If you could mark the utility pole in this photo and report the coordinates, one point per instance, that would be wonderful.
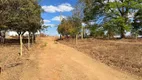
(60, 16)
(60, 22)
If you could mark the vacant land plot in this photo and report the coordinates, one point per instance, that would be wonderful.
(11, 62)
(120, 54)
(50, 60)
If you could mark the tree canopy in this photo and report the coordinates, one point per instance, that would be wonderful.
(115, 12)
(70, 26)
(20, 15)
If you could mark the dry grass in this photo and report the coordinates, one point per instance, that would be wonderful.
(11, 63)
(121, 54)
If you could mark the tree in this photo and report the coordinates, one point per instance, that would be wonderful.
(96, 31)
(78, 13)
(4, 16)
(137, 23)
(20, 16)
(109, 9)
(70, 27)
(75, 26)
(63, 28)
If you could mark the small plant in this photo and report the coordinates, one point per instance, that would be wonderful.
(55, 42)
(44, 45)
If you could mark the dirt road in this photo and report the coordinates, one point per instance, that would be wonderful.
(59, 62)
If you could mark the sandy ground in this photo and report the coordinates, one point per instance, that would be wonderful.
(54, 61)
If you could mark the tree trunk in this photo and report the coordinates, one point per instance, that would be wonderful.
(76, 39)
(136, 35)
(21, 45)
(82, 33)
(19, 33)
(19, 36)
(122, 33)
(2, 37)
(33, 37)
(108, 36)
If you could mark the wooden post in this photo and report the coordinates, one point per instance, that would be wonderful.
(32, 38)
(21, 45)
(29, 41)
(136, 34)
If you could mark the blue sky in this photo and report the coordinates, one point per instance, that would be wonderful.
(52, 9)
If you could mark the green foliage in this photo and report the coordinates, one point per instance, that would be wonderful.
(115, 12)
(20, 15)
(63, 28)
(96, 31)
(70, 26)
(137, 23)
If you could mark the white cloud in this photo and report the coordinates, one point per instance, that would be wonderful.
(50, 9)
(65, 7)
(58, 18)
(50, 25)
(46, 21)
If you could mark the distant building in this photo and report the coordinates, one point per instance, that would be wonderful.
(13, 33)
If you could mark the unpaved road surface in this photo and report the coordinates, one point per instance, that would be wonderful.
(56, 61)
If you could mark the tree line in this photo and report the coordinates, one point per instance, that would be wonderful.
(105, 18)
(21, 16)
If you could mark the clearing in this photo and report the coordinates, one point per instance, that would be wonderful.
(123, 54)
(50, 60)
